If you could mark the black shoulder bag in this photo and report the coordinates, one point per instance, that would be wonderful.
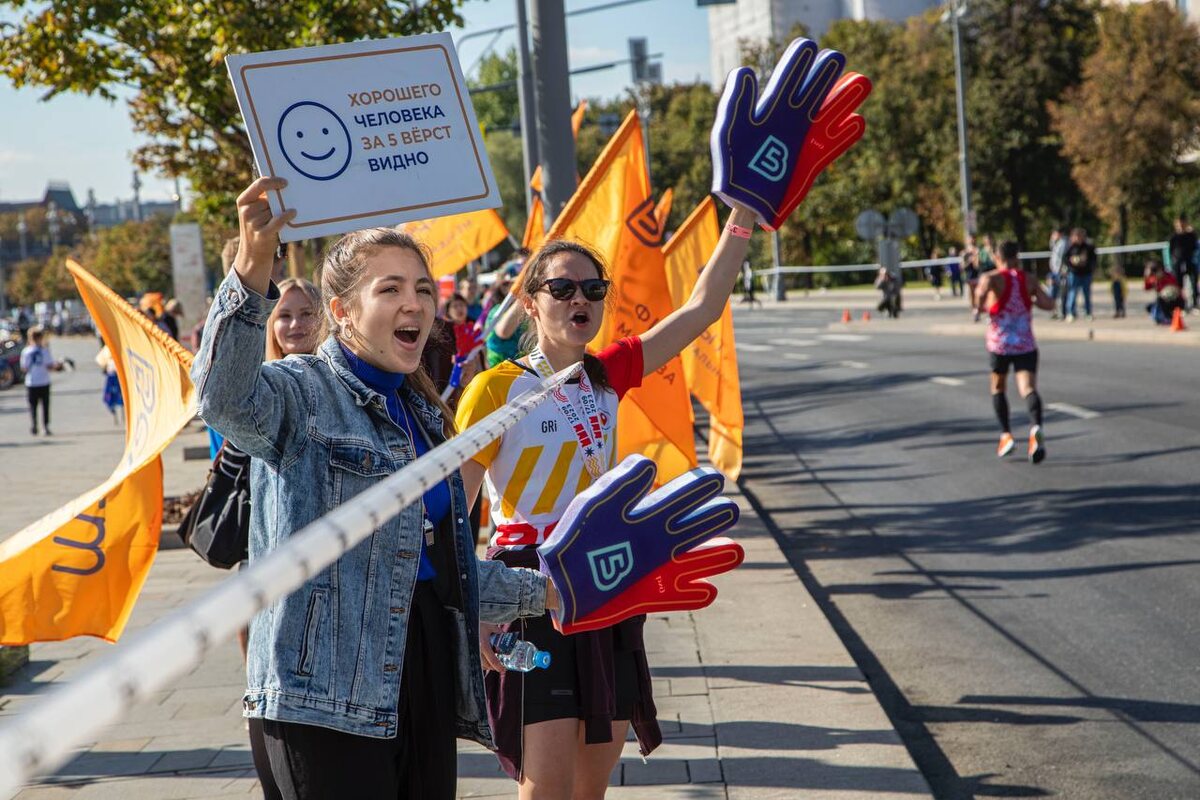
(217, 526)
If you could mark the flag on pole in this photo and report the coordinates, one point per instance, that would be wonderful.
(78, 570)
(662, 212)
(458, 239)
(710, 362)
(613, 212)
(535, 226)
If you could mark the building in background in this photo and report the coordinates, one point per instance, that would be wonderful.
(760, 20)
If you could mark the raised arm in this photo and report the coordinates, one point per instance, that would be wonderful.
(260, 408)
(509, 320)
(666, 339)
(767, 148)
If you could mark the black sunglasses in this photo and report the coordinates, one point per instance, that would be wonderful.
(564, 288)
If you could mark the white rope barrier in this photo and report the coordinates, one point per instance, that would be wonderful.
(929, 262)
(45, 735)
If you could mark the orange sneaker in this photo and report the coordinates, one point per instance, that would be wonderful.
(1037, 448)
(1006, 446)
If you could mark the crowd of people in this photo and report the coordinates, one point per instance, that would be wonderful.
(368, 673)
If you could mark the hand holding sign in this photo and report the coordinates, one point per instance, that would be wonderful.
(761, 150)
(620, 550)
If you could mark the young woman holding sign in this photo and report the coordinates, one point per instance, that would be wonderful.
(560, 731)
(365, 675)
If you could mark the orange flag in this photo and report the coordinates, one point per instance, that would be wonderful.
(459, 239)
(78, 570)
(612, 211)
(535, 226)
(662, 212)
(710, 362)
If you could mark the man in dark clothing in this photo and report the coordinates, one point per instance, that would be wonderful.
(1183, 250)
(1080, 261)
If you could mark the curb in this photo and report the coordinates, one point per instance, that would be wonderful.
(1046, 333)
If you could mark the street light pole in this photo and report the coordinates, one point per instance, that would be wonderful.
(525, 100)
(556, 145)
(957, 7)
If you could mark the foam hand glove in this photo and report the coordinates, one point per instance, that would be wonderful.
(836, 128)
(757, 141)
(617, 533)
(678, 585)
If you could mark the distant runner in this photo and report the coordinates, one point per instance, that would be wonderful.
(1007, 295)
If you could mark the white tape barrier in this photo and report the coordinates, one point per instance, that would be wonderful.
(45, 736)
(929, 262)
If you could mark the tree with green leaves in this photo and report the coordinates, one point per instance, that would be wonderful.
(1128, 123)
(1021, 56)
(172, 55)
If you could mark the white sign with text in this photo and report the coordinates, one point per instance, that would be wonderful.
(366, 133)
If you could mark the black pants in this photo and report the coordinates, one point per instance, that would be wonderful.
(311, 763)
(38, 394)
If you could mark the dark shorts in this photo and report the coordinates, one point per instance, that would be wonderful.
(1021, 362)
(553, 693)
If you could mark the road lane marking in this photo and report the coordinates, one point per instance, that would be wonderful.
(754, 348)
(944, 381)
(845, 337)
(794, 342)
(797, 356)
(1073, 410)
(852, 364)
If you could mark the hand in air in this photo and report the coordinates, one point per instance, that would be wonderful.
(617, 533)
(768, 149)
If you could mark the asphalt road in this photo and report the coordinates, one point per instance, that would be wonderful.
(1031, 630)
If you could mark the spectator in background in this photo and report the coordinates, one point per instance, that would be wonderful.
(889, 286)
(970, 263)
(1080, 260)
(1058, 275)
(1167, 296)
(956, 276)
(469, 289)
(987, 254)
(172, 311)
(935, 272)
(1182, 247)
(37, 363)
(1117, 274)
(112, 396)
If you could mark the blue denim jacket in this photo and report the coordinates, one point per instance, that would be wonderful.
(331, 653)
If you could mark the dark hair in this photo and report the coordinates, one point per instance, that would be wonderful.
(1154, 265)
(1009, 250)
(535, 274)
(451, 299)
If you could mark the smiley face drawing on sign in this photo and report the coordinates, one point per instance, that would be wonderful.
(314, 140)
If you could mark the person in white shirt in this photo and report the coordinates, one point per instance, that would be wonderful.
(37, 363)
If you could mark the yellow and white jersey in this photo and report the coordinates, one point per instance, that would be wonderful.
(536, 468)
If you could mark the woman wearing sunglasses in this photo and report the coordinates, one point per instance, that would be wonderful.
(560, 731)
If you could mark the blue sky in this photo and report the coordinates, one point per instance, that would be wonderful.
(87, 141)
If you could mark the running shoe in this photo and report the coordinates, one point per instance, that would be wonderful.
(1037, 447)
(1006, 446)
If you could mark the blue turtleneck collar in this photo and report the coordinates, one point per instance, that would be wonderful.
(376, 379)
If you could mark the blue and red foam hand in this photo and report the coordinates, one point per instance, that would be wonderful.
(621, 550)
(768, 148)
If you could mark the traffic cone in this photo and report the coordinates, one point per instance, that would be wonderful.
(1177, 320)
(866, 316)
(846, 315)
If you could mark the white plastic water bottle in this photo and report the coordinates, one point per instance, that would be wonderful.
(517, 654)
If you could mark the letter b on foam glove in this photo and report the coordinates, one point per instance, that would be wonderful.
(620, 550)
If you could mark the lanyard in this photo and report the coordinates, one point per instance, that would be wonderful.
(590, 436)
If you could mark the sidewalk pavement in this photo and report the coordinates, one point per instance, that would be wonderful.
(756, 694)
(925, 314)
